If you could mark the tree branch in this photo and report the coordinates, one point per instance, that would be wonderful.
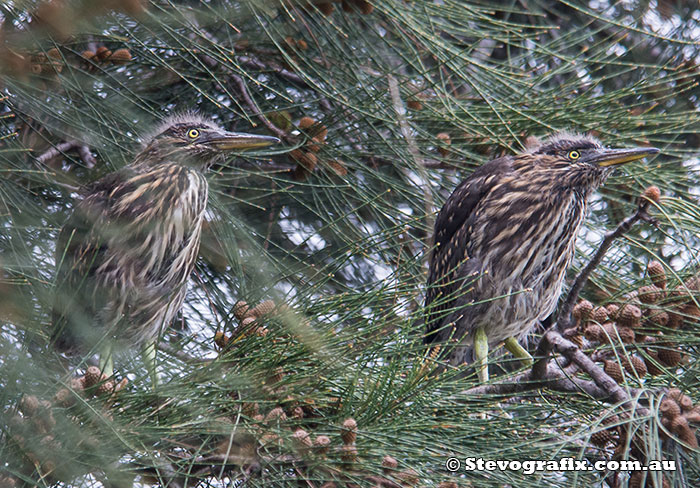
(564, 320)
(64, 147)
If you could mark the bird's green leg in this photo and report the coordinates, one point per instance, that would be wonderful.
(149, 358)
(519, 351)
(106, 362)
(481, 353)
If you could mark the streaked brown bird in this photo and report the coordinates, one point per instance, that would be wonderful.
(125, 255)
(504, 240)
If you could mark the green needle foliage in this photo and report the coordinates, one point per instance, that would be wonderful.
(383, 107)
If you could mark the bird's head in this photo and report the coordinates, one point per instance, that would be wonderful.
(583, 157)
(195, 141)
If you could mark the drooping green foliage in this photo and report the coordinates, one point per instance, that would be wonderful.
(383, 107)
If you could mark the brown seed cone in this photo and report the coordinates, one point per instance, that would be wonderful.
(693, 415)
(675, 320)
(414, 104)
(653, 193)
(650, 294)
(669, 408)
(77, 384)
(240, 310)
(657, 319)
(258, 417)
(348, 453)
(599, 315)
(582, 310)
(337, 166)
(444, 140)
(120, 56)
(93, 375)
(690, 312)
(634, 365)
(651, 359)
(64, 398)
(297, 413)
(613, 369)
(103, 53)
(349, 431)
(447, 484)
(249, 409)
(576, 338)
(612, 309)
(106, 387)
(275, 414)
(326, 8)
(594, 333)
(322, 444)
(601, 438)
(247, 322)
(656, 272)
(644, 479)
(408, 477)
(302, 439)
(306, 122)
(629, 316)
(264, 308)
(29, 405)
(626, 335)
(270, 439)
(685, 433)
(306, 162)
(261, 331)
(364, 6)
(389, 464)
(302, 44)
(668, 355)
(87, 55)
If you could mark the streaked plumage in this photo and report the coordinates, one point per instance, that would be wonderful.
(125, 255)
(505, 238)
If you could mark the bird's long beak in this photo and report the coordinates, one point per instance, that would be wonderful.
(228, 141)
(612, 157)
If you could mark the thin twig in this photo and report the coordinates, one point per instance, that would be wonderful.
(564, 320)
(256, 111)
(64, 147)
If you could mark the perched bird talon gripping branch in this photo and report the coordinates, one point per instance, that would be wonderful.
(503, 242)
(127, 251)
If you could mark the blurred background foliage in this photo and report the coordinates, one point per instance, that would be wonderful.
(383, 107)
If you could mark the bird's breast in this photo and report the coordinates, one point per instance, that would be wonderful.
(158, 240)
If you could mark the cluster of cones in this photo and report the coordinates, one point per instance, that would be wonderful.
(32, 428)
(628, 444)
(103, 55)
(248, 321)
(680, 417)
(640, 325)
(306, 157)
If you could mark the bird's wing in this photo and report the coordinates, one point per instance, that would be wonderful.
(80, 250)
(451, 266)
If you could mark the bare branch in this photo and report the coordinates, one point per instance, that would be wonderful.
(63, 148)
(564, 320)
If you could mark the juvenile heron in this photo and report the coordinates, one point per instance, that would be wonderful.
(127, 251)
(504, 240)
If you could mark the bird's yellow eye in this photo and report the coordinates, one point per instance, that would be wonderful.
(193, 133)
(573, 155)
